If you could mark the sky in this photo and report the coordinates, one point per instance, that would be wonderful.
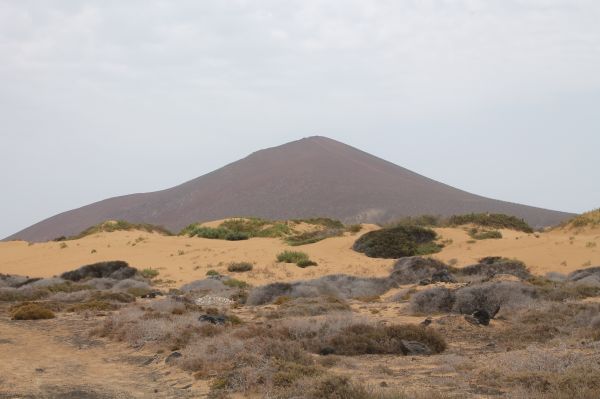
(102, 98)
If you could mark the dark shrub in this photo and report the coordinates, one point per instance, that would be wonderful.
(591, 275)
(268, 293)
(15, 281)
(118, 270)
(492, 296)
(492, 265)
(397, 242)
(309, 307)
(438, 299)
(239, 267)
(412, 270)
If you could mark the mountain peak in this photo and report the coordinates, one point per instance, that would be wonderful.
(311, 177)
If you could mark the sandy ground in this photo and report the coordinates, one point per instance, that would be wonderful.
(57, 359)
(184, 259)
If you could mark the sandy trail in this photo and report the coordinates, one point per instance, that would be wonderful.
(56, 359)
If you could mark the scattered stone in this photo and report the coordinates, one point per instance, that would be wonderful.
(173, 356)
(209, 300)
(326, 351)
(152, 295)
(213, 319)
(415, 348)
(482, 316)
(426, 322)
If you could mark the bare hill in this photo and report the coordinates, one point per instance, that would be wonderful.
(314, 176)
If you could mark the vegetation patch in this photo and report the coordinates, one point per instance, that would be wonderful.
(94, 305)
(31, 311)
(482, 234)
(120, 225)
(492, 220)
(239, 267)
(591, 219)
(398, 242)
(292, 257)
(363, 339)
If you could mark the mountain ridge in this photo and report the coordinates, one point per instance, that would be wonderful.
(313, 176)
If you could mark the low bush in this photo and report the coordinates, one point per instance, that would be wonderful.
(590, 275)
(295, 307)
(337, 285)
(9, 294)
(434, 300)
(292, 257)
(493, 265)
(354, 228)
(591, 218)
(149, 273)
(362, 339)
(311, 237)
(478, 234)
(121, 225)
(118, 270)
(94, 305)
(306, 263)
(491, 297)
(233, 283)
(239, 267)
(31, 311)
(397, 242)
(412, 270)
(493, 220)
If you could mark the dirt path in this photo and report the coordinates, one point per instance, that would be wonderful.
(56, 359)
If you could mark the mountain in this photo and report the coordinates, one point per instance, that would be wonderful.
(315, 176)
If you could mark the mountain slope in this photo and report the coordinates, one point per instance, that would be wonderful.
(314, 176)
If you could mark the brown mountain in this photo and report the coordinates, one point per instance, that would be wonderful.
(314, 176)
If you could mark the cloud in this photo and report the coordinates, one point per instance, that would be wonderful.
(156, 76)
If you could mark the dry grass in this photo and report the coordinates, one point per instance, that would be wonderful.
(31, 311)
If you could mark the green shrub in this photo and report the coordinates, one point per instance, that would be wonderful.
(206, 232)
(117, 225)
(31, 311)
(325, 222)
(591, 218)
(493, 220)
(397, 242)
(306, 263)
(234, 283)
(354, 228)
(237, 236)
(310, 237)
(239, 267)
(150, 273)
(292, 257)
(484, 234)
(212, 272)
(421, 220)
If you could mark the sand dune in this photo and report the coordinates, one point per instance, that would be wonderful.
(184, 259)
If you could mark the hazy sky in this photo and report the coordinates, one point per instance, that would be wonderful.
(109, 97)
